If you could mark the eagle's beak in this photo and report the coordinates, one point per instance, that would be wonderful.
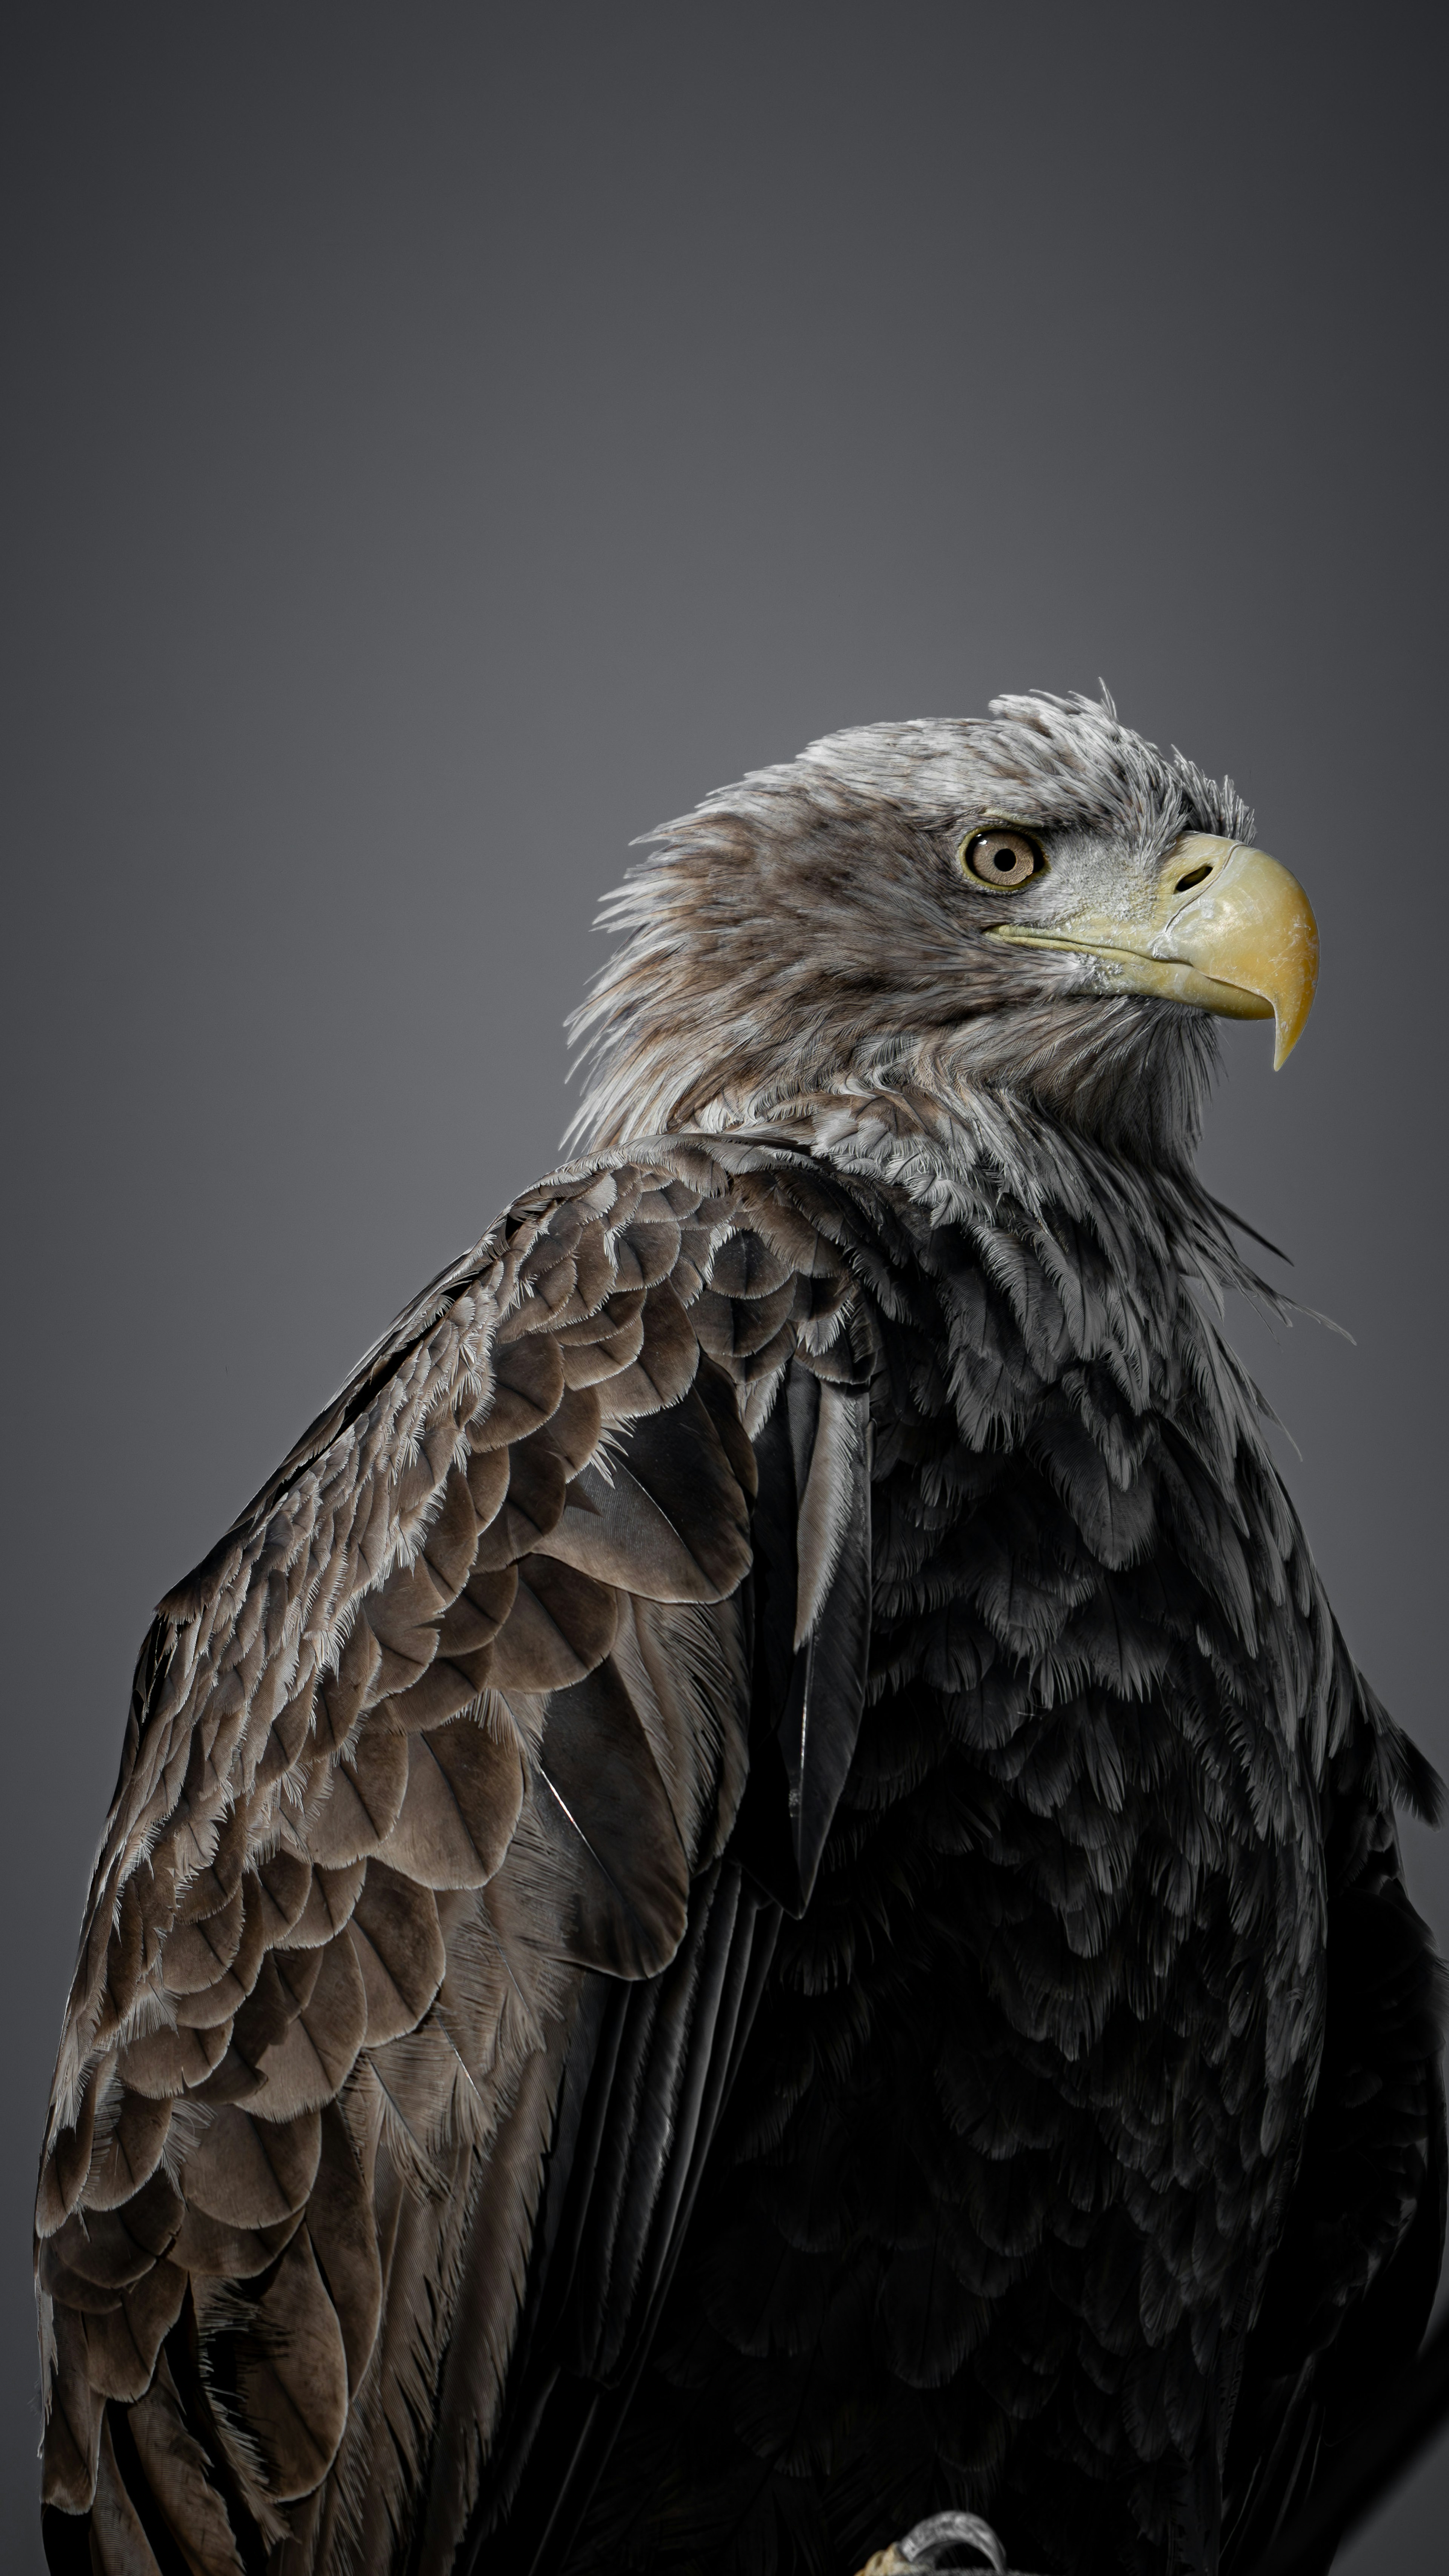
(1229, 930)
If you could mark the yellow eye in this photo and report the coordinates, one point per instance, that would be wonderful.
(1005, 859)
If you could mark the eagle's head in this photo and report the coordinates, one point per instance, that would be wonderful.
(1036, 901)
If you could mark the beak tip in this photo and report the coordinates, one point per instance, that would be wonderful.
(1288, 1027)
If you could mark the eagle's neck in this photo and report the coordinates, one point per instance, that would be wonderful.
(1124, 1072)
(957, 1157)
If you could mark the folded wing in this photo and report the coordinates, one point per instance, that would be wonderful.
(461, 1789)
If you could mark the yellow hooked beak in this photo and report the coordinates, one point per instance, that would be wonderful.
(1229, 930)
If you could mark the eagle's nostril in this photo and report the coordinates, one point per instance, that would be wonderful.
(1193, 877)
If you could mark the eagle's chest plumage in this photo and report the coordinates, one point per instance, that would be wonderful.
(1027, 2091)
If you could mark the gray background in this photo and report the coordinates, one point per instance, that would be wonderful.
(440, 444)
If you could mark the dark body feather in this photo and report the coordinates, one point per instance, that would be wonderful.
(975, 2236)
(756, 1897)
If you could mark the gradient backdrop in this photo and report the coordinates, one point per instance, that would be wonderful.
(441, 443)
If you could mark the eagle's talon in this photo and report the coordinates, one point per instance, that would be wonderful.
(925, 2545)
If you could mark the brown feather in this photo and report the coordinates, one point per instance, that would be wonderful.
(252, 2172)
(118, 2539)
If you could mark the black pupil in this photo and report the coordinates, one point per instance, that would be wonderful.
(1005, 860)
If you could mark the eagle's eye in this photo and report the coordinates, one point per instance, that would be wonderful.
(1006, 859)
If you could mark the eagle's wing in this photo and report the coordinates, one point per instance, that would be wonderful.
(461, 1788)
(1352, 2282)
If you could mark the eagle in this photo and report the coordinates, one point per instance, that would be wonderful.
(756, 1898)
